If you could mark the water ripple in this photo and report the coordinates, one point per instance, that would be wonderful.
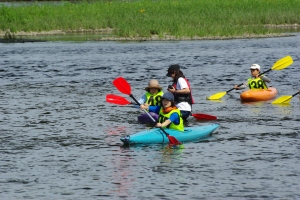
(60, 139)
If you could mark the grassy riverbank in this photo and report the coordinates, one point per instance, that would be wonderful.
(153, 19)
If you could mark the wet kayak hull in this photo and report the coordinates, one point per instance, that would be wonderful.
(156, 136)
(258, 94)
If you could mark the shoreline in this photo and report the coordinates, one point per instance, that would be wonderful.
(145, 20)
(8, 36)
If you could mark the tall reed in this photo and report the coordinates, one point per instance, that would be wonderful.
(144, 18)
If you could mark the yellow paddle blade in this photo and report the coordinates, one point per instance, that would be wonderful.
(282, 63)
(216, 96)
(282, 99)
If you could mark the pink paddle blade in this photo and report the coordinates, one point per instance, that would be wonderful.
(202, 116)
(173, 140)
(122, 85)
(115, 99)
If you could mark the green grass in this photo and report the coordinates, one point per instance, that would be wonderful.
(143, 18)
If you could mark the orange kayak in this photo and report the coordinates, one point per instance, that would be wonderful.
(259, 94)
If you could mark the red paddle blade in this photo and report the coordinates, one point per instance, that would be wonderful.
(122, 85)
(173, 140)
(202, 116)
(115, 99)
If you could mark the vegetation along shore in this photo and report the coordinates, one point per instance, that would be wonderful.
(153, 19)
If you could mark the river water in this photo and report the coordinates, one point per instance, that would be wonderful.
(61, 140)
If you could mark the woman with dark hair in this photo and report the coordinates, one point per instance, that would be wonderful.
(181, 90)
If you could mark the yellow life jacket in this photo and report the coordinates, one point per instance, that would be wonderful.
(154, 100)
(256, 83)
(164, 116)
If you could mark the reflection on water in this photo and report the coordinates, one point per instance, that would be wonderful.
(60, 139)
(284, 109)
(171, 153)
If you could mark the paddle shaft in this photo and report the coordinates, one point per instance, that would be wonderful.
(234, 88)
(295, 94)
(278, 65)
(115, 99)
(243, 83)
(123, 86)
(265, 72)
(136, 101)
(204, 116)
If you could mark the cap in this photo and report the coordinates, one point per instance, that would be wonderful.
(153, 84)
(173, 68)
(255, 66)
(169, 96)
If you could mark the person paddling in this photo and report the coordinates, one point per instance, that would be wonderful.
(255, 81)
(181, 90)
(153, 94)
(169, 114)
(152, 97)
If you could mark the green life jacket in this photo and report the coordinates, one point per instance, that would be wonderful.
(154, 100)
(164, 116)
(256, 83)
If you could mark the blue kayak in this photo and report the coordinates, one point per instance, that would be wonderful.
(156, 136)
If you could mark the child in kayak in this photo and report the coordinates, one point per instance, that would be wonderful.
(152, 97)
(169, 114)
(181, 90)
(153, 94)
(256, 81)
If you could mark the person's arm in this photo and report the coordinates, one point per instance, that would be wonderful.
(245, 85)
(154, 109)
(183, 91)
(173, 118)
(164, 124)
(265, 79)
(183, 87)
(142, 100)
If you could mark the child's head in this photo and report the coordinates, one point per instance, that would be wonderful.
(167, 100)
(153, 87)
(255, 69)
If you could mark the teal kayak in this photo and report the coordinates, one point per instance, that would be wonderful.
(156, 136)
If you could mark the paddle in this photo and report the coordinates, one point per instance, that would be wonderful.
(123, 86)
(284, 99)
(115, 99)
(202, 116)
(278, 65)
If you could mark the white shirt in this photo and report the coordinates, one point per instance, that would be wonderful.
(181, 84)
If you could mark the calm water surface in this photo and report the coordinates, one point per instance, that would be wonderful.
(60, 139)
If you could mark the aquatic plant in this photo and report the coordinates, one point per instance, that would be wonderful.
(148, 18)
